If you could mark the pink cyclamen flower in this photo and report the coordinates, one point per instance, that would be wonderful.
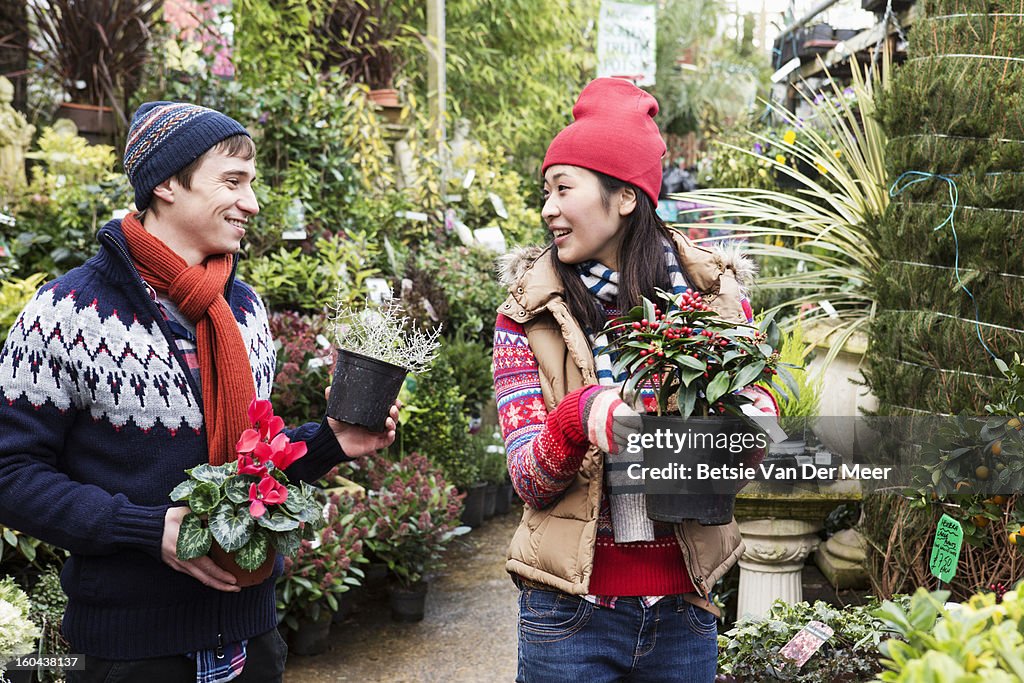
(268, 492)
(247, 441)
(259, 410)
(246, 465)
(284, 453)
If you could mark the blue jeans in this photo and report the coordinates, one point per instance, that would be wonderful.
(563, 637)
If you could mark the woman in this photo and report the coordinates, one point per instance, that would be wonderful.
(606, 594)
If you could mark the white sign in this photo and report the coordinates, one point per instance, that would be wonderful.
(626, 41)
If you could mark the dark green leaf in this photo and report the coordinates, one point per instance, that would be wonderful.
(717, 387)
(193, 538)
(204, 499)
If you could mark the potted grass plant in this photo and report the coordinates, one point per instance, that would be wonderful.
(246, 511)
(697, 364)
(377, 347)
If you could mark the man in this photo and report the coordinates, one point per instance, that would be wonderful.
(125, 372)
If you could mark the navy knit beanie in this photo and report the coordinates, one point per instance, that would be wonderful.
(165, 137)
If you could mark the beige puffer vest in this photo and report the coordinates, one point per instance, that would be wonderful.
(555, 546)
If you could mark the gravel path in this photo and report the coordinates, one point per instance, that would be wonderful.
(468, 634)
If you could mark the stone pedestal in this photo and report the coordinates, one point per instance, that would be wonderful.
(841, 559)
(771, 566)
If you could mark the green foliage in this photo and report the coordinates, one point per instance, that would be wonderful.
(303, 366)
(802, 400)
(461, 287)
(434, 423)
(308, 281)
(19, 551)
(48, 602)
(17, 632)
(952, 115)
(515, 69)
(489, 449)
(493, 175)
(470, 362)
(321, 572)
(73, 192)
(828, 225)
(974, 642)
(274, 40)
(750, 651)
(725, 74)
(415, 514)
(14, 295)
(695, 360)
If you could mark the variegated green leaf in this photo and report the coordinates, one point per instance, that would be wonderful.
(278, 521)
(232, 526)
(184, 489)
(215, 474)
(193, 539)
(287, 543)
(204, 499)
(254, 553)
(237, 488)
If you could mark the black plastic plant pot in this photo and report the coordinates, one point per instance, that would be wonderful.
(688, 496)
(364, 390)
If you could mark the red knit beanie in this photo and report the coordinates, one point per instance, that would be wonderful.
(614, 133)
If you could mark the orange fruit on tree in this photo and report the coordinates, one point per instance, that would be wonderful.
(997, 448)
(1012, 538)
(1015, 423)
(980, 521)
(982, 472)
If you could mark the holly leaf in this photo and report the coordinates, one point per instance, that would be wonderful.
(193, 539)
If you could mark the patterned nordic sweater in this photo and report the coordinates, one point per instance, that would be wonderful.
(99, 418)
(545, 451)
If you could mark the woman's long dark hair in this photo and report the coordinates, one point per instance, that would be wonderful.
(641, 260)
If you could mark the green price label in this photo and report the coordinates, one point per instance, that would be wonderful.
(949, 536)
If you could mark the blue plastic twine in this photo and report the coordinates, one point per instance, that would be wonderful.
(954, 196)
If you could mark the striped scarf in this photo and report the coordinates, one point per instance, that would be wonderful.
(625, 495)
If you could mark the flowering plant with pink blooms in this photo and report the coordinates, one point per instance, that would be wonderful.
(248, 506)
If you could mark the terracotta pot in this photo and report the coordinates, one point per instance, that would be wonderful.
(385, 97)
(245, 578)
(89, 118)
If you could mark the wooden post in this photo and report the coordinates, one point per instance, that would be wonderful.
(437, 82)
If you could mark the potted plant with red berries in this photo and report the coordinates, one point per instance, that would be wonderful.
(246, 511)
(697, 365)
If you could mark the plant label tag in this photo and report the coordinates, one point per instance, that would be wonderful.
(5, 251)
(805, 643)
(7, 220)
(491, 237)
(377, 289)
(498, 204)
(949, 537)
(468, 180)
(415, 216)
(827, 306)
(294, 235)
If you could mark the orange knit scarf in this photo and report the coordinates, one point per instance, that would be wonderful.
(198, 292)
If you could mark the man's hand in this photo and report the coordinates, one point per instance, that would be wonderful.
(359, 441)
(202, 569)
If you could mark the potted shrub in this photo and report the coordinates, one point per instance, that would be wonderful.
(245, 511)
(377, 347)
(310, 590)
(97, 51)
(797, 406)
(414, 515)
(696, 363)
